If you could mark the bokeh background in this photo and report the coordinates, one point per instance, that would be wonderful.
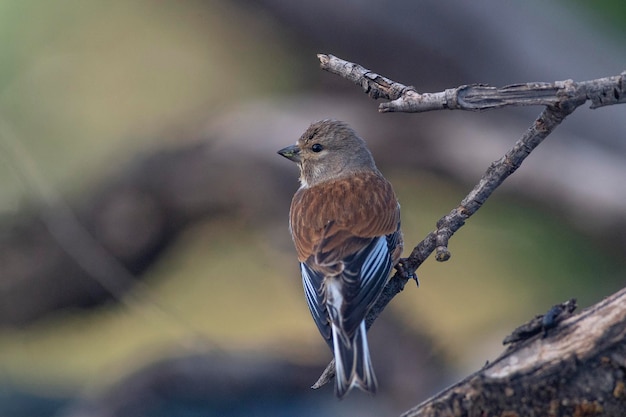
(146, 268)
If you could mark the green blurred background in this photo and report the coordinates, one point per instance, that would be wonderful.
(87, 89)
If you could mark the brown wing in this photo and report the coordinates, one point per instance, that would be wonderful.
(334, 220)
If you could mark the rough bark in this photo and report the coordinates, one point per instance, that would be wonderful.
(577, 368)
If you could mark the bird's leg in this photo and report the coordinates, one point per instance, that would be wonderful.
(406, 272)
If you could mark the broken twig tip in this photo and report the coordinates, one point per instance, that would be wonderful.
(542, 323)
(324, 59)
(442, 254)
(326, 376)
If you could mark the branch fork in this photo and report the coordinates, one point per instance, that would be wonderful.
(559, 99)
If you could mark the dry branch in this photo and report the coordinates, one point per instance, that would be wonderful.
(560, 99)
(601, 92)
(577, 369)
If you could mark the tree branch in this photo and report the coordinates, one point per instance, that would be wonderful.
(601, 92)
(549, 374)
(560, 98)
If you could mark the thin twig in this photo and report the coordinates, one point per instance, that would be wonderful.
(564, 100)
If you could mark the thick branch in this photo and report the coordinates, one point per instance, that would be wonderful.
(601, 92)
(549, 374)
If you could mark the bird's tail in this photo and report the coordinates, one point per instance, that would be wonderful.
(353, 367)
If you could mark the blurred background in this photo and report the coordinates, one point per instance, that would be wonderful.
(146, 268)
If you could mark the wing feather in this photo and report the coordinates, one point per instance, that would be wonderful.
(371, 267)
(313, 290)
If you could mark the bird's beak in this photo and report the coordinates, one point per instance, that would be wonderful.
(291, 152)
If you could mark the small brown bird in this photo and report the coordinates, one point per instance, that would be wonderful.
(345, 223)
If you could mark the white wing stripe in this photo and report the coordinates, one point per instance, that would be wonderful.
(374, 261)
(310, 291)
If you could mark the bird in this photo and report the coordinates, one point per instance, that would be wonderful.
(345, 224)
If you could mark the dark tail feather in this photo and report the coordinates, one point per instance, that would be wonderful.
(352, 362)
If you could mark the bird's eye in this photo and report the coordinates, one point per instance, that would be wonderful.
(316, 147)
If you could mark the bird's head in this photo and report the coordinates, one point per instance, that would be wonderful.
(327, 150)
